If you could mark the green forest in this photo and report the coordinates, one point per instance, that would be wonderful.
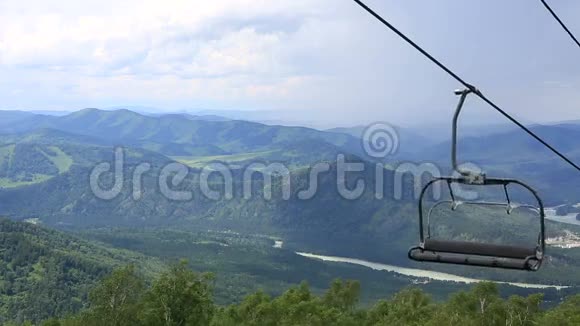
(54, 278)
(180, 296)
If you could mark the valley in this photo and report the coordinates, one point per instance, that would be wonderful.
(250, 239)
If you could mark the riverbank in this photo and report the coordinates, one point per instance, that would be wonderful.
(420, 273)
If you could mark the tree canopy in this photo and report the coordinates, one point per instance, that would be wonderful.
(180, 296)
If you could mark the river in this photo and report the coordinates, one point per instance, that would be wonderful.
(568, 218)
(420, 273)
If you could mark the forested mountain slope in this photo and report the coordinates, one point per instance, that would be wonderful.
(47, 273)
(185, 298)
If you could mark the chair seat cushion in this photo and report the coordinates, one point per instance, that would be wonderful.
(481, 249)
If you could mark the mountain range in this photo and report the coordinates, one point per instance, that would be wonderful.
(46, 161)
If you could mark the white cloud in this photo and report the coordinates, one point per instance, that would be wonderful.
(327, 56)
(151, 49)
(171, 29)
(165, 52)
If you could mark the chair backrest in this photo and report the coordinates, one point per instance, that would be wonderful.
(540, 245)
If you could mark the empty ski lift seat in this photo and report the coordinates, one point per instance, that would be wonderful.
(476, 253)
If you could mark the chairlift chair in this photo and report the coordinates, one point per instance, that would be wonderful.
(476, 253)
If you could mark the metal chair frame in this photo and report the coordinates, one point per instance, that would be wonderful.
(469, 253)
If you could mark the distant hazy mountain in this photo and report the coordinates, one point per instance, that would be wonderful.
(515, 153)
(208, 117)
(52, 112)
(8, 119)
(510, 146)
(409, 140)
(441, 132)
(179, 135)
(294, 117)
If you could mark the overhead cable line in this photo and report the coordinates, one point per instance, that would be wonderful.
(561, 23)
(467, 85)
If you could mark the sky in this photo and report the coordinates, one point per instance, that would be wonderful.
(308, 60)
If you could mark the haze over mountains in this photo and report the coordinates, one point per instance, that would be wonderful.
(46, 162)
(197, 140)
(39, 152)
